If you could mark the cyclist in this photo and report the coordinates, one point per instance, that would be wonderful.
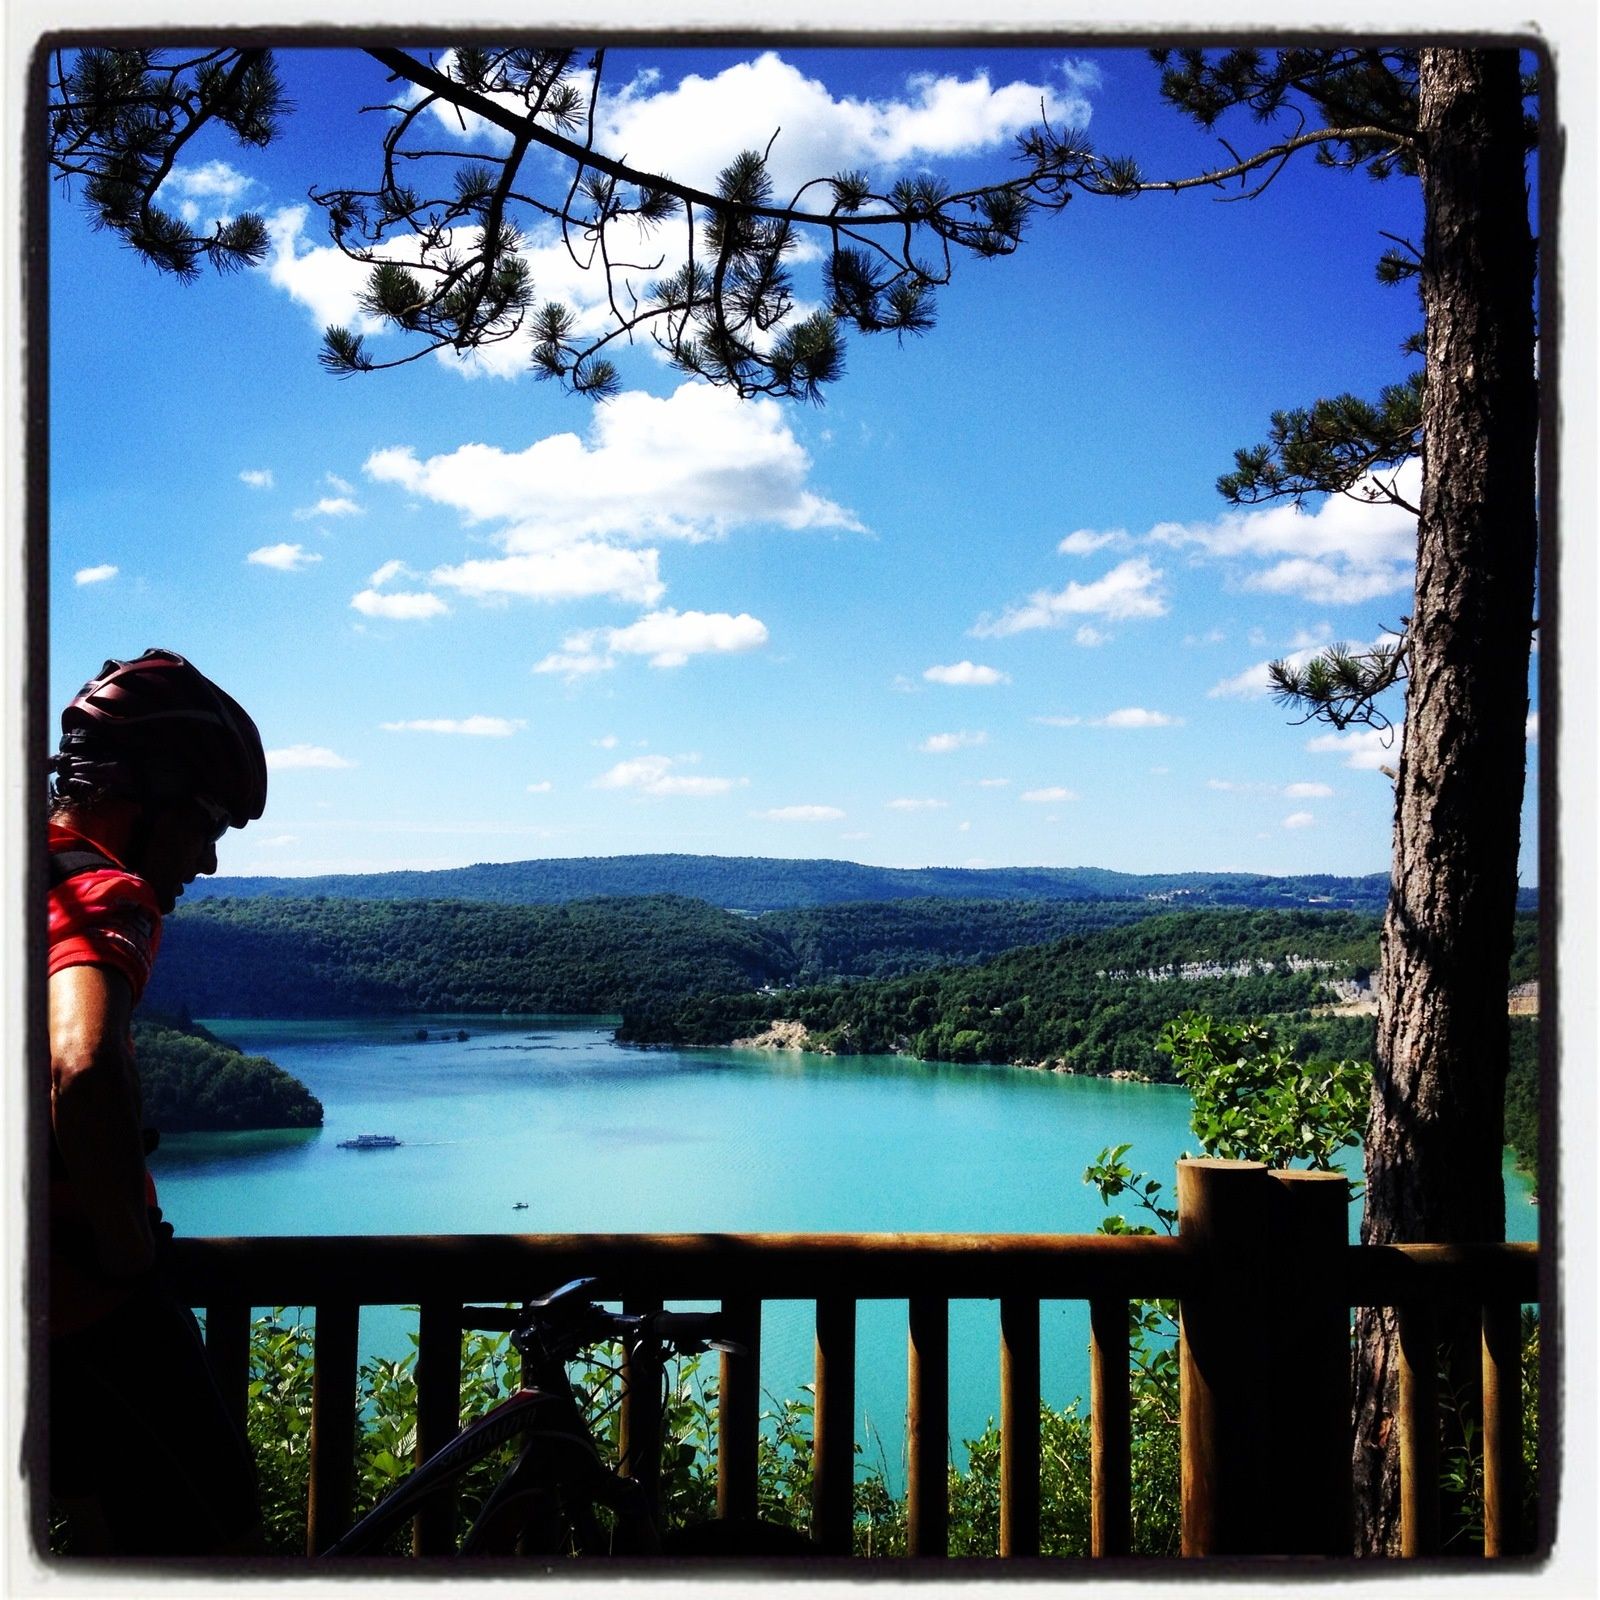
(155, 764)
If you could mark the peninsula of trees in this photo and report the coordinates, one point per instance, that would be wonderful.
(193, 1082)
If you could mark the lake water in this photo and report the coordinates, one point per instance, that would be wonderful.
(595, 1137)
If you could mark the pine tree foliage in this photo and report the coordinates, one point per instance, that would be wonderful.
(119, 119)
(442, 228)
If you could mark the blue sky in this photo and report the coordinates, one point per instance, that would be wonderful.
(983, 607)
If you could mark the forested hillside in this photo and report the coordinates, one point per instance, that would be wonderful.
(310, 958)
(1088, 1003)
(193, 1082)
(760, 883)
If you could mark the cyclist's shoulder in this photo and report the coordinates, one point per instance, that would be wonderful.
(84, 876)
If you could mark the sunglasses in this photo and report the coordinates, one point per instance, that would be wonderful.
(214, 814)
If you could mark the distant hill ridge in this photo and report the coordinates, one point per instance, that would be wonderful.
(766, 883)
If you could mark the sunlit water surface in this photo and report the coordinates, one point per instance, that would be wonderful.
(599, 1138)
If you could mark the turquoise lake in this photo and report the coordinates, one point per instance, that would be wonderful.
(596, 1137)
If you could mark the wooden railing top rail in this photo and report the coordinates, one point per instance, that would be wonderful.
(405, 1269)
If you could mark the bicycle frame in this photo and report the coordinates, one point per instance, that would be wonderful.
(548, 1495)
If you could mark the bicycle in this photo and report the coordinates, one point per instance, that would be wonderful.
(550, 1503)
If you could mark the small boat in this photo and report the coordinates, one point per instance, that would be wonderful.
(519, 1205)
(370, 1141)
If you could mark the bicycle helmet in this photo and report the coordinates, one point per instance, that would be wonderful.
(154, 728)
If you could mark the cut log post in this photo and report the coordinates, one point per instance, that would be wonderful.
(1310, 1397)
(927, 1427)
(1110, 1430)
(438, 1417)
(834, 1459)
(739, 1410)
(1418, 1421)
(1223, 1212)
(331, 1495)
(1019, 1426)
(1502, 1429)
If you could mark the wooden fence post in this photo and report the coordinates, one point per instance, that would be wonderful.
(438, 1416)
(1310, 1419)
(1111, 1429)
(928, 1427)
(1223, 1211)
(330, 1496)
(1019, 1425)
(739, 1410)
(834, 1461)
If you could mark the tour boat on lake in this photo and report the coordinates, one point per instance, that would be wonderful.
(370, 1141)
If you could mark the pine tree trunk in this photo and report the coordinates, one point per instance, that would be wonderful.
(1434, 1141)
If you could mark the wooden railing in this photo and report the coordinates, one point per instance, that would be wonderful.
(1260, 1267)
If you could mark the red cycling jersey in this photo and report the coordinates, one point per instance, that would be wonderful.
(109, 917)
(104, 917)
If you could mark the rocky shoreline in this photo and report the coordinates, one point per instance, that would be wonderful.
(788, 1033)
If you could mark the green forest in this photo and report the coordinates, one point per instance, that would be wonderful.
(332, 958)
(763, 883)
(194, 1082)
(1091, 1003)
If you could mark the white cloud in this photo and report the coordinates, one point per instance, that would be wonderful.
(284, 557)
(607, 741)
(541, 788)
(295, 757)
(800, 814)
(88, 575)
(1533, 725)
(1057, 722)
(1090, 636)
(476, 727)
(691, 466)
(579, 517)
(654, 775)
(398, 607)
(575, 664)
(1085, 541)
(334, 481)
(1368, 749)
(941, 744)
(993, 783)
(204, 195)
(1137, 717)
(585, 570)
(1127, 590)
(1308, 791)
(318, 276)
(966, 673)
(915, 805)
(1299, 819)
(1345, 551)
(256, 478)
(1046, 796)
(329, 506)
(389, 571)
(669, 638)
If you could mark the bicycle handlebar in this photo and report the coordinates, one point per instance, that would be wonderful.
(587, 1323)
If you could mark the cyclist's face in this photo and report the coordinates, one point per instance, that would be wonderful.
(181, 845)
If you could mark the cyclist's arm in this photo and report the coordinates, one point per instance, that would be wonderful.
(94, 1108)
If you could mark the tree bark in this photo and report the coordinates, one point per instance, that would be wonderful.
(1435, 1136)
